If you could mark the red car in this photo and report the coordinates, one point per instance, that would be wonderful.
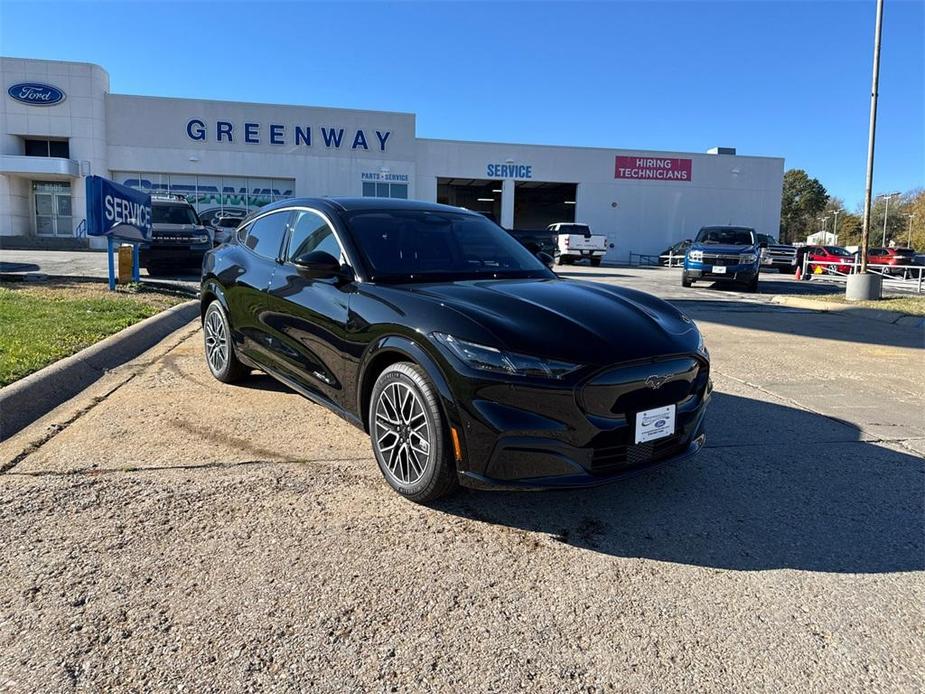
(829, 254)
(891, 256)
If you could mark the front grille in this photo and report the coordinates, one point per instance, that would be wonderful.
(721, 258)
(609, 460)
(622, 391)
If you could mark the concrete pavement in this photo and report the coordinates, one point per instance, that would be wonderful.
(164, 530)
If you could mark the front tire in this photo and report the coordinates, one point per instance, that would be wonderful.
(685, 280)
(408, 434)
(752, 286)
(220, 357)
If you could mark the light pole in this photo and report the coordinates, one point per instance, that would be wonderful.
(835, 226)
(823, 219)
(871, 139)
(911, 216)
(886, 213)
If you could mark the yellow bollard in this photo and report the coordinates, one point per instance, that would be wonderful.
(124, 271)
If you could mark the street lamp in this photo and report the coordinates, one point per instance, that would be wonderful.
(823, 219)
(911, 216)
(886, 213)
(835, 226)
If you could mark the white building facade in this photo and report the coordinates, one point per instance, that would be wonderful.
(59, 123)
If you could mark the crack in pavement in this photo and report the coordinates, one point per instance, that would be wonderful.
(93, 472)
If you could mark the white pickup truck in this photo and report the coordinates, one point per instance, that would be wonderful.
(576, 242)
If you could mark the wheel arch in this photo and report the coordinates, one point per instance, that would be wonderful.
(211, 291)
(392, 350)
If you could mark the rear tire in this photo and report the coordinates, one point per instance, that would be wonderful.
(219, 349)
(409, 434)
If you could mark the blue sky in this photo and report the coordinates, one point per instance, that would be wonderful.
(770, 78)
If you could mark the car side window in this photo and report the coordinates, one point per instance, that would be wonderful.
(311, 232)
(265, 236)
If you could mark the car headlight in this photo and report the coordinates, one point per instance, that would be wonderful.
(495, 360)
(748, 258)
(701, 346)
(696, 256)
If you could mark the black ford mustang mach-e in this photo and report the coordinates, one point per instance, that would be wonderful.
(464, 358)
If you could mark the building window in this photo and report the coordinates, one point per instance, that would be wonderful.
(48, 148)
(385, 190)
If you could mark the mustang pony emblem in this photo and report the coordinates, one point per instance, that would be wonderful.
(656, 382)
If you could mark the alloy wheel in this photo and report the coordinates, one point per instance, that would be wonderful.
(402, 433)
(216, 341)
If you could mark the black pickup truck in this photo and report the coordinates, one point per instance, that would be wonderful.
(537, 241)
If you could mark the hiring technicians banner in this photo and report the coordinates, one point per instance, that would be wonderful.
(117, 211)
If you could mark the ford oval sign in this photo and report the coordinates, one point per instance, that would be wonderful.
(36, 94)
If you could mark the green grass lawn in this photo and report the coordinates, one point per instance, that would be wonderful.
(41, 323)
(912, 305)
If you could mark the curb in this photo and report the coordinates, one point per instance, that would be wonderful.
(29, 398)
(880, 315)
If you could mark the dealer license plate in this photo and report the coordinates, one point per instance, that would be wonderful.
(719, 270)
(655, 424)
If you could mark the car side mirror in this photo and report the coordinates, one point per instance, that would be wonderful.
(317, 265)
(545, 258)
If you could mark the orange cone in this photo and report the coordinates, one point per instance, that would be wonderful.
(798, 274)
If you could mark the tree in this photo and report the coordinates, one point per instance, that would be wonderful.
(803, 199)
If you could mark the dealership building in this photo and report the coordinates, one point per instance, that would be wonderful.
(60, 123)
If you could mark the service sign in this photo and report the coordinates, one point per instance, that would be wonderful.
(653, 168)
(116, 210)
(36, 94)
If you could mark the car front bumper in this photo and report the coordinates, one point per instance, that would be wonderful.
(173, 253)
(580, 435)
(729, 273)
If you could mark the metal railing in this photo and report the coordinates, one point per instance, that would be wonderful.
(904, 277)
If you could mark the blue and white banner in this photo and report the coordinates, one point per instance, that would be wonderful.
(116, 210)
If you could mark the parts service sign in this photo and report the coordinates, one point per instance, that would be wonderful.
(117, 211)
(653, 168)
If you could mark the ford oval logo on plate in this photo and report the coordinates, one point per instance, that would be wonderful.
(36, 94)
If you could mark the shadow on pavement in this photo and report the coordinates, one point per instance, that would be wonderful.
(18, 267)
(849, 326)
(776, 488)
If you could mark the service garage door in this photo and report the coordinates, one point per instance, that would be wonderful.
(538, 204)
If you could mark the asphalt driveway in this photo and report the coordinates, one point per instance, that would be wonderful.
(163, 531)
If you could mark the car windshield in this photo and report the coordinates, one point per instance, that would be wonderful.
(433, 245)
(725, 235)
(173, 214)
(837, 250)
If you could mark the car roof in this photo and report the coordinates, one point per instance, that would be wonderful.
(359, 204)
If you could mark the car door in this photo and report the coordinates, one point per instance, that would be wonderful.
(307, 317)
(246, 291)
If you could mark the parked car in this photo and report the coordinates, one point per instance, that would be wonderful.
(225, 227)
(726, 254)
(829, 259)
(891, 256)
(778, 256)
(576, 242)
(464, 358)
(679, 250)
(537, 242)
(178, 237)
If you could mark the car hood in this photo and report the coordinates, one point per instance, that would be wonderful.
(721, 248)
(577, 321)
